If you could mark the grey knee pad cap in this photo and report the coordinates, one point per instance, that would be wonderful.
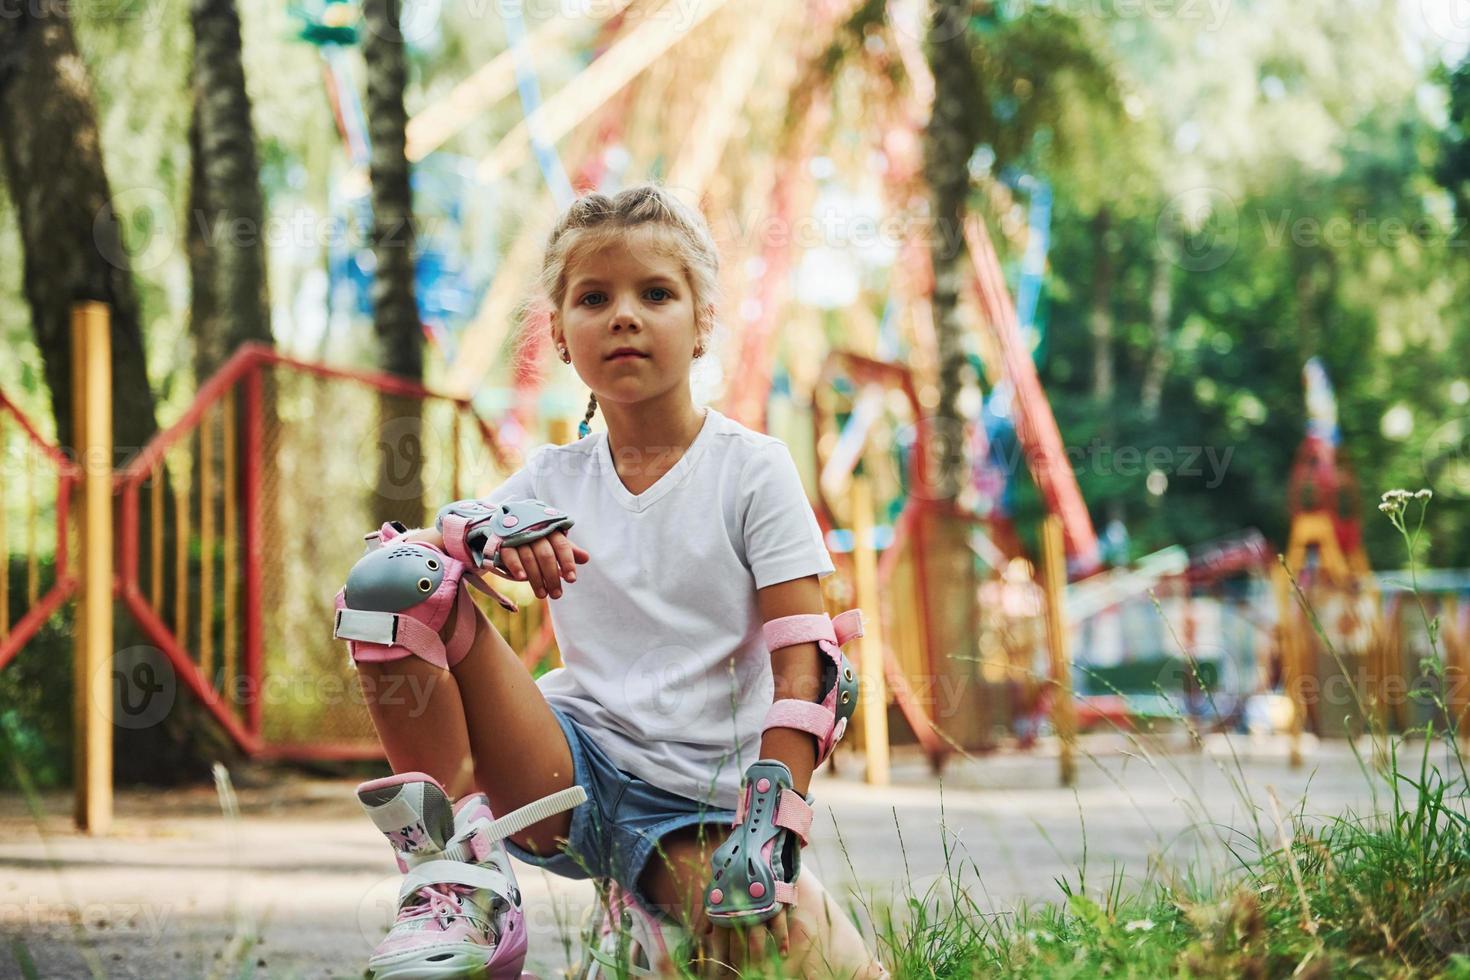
(393, 578)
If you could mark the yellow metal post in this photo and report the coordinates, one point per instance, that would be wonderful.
(33, 554)
(181, 550)
(1289, 640)
(454, 462)
(92, 433)
(875, 692)
(206, 546)
(155, 537)
(230, 537)
(1054, 575)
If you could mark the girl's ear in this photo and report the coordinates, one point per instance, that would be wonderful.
(704, 328)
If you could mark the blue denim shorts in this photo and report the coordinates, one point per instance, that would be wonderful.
(614, 833)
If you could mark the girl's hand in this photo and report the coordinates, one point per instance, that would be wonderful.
(544, 563)
(734, 948)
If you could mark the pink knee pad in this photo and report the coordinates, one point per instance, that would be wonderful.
(397, 598)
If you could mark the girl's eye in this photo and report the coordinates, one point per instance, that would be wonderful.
(657, 293)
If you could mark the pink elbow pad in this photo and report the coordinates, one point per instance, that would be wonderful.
(827, 718)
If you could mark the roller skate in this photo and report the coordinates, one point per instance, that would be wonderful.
(459, 908)
(626, 940)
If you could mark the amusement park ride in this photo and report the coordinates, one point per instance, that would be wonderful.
(1188, 636)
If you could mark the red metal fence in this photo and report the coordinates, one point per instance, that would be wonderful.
(38, 486)
(236, 525)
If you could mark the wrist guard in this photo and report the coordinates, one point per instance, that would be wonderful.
(755, 870)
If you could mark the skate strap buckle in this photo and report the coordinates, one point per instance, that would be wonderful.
(477, 844)
(518, 820)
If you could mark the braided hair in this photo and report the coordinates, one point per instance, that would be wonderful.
(585, 428)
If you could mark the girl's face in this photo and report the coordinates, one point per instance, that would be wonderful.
(628, 295)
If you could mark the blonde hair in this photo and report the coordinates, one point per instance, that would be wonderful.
(596, 219)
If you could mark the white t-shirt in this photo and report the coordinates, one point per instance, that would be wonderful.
(665, 665)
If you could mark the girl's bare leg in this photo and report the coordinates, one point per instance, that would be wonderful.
(520, 752)
(416, 708)
(484, 725)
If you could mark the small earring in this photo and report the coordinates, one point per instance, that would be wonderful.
(565, 357)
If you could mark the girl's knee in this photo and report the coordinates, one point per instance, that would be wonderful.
(823, 938)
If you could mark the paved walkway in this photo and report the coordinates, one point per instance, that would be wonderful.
(162, 896)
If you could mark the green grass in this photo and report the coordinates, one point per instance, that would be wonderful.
(1384, 895)
(1377, 896)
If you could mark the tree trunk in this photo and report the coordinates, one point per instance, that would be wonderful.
(400, 493)
(231, 220)
(948, 141)
(1160, 312)
(1100, 324)
(199, 233)
(70, 235)
(1100, 314)
(73, 251)
(230, 304)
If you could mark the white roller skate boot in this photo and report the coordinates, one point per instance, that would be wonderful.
(626, 940)
(459, 909)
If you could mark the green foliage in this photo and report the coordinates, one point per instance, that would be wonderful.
(1453, 168)
(36, 699)
(1051, 96)
(1357, 264)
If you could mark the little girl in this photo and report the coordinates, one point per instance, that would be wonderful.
(703, 681)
